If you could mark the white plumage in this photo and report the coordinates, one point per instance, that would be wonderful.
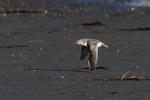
(90, 49)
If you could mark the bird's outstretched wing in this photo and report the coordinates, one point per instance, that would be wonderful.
(92, 55)
(91, 64)
(84, 52)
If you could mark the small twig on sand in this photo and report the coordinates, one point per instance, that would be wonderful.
(132, 77)
(125, 75)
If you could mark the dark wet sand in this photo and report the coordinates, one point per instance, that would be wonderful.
(39, 61)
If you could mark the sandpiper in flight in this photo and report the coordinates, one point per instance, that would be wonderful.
(90, 49)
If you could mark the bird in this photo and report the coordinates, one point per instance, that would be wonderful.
(90, 50)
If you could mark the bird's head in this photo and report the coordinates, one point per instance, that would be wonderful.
(81, 42)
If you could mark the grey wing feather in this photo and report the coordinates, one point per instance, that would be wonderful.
(92, 60)
(92, 56)
(91, 64)
(96, 55)
(83, 52)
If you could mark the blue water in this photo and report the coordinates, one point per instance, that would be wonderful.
(120, 3)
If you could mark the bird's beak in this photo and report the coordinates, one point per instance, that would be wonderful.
(75, 43)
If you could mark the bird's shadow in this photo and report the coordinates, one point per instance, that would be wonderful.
(68, 70)
(98, 68)
(85, 69)
(52, 70)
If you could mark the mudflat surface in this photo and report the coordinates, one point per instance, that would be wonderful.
(39, 61)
